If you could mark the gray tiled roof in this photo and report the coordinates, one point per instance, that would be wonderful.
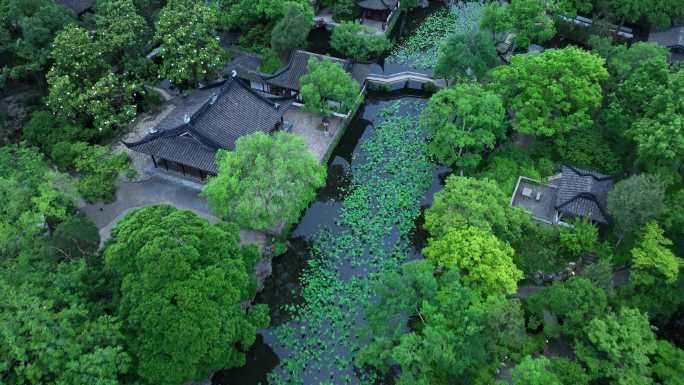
(377, 5)
(583, 193)
(246, 66)
(288, 76)
(210, 119)
(76, 6)
(672, 38)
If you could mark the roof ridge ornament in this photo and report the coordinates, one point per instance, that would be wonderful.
(186, 118)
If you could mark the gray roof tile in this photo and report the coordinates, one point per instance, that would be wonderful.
(672, 38)
(583, 193)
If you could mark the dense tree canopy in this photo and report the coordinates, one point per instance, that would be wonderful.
(291, 31)
(551, 92)
(189, 49)
(530, 21)
(327, 87)
(534, 371)
(653, 262)
(266, 182)
(357, 41)
(466, 55)
(184, 284)
(464, 121)
(635, 201)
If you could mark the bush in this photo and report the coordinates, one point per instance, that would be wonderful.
(99, 169)
(358, 42)
(270, 62)
(44, 130)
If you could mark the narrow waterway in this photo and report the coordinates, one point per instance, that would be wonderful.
(318, 287)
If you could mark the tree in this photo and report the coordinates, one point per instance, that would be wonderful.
(473, 202)
(533, 371)
(504, 325)
(464, 121)
(653, 263)
(342, 9)
(358, 41)
(75, 238)
(495, 18)
(579, 239)
(34, 198)
(635, 201)
(265, 182)
(44, 130)
(575, 302)
(551, 92)
(572, 7)
(465, 56)
(530, 21)
(326, 82)
(668, 364)
(124, 33)
(484, 262)
(27, 29)
(617, 348)
(100, 170)
(189, 49)
(83, 86)
(43, 342)
(291, 31)
(432, 353)
(184, 285)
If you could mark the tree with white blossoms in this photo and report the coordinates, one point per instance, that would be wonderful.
(190, 48)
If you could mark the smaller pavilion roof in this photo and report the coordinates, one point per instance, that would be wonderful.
(672, 38)
(288, 76)
(583, 193)
(377, 5)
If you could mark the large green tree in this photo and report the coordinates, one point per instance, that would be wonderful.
(266, 182)
(123, 32)
(617, 348)
(530, 21)
(484, 261)
(635, 201)
(463, 121)
(27, 29)
(466, 56)
(551, 92)
(534, 371)
(190, 49)
(434, 352)
(84, 87)
(327, 87)
(474, 202)
(291, 31)
(357, 41)
(653, 263)
(185, 285)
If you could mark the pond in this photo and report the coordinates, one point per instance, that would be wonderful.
(362, 222)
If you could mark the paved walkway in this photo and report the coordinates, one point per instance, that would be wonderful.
(306, 125)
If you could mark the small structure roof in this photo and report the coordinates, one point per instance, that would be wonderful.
(672, 38)
(288, 76)
(246, 66)
(210, 119)
(77, 6)
(377, 5)
(583, 193)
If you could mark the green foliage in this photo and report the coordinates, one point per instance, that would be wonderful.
(99, 170)
(465, 56)
(485, 262)
(617, 347)
(83, 86)
(575, 302)
(504, 326)
(123, 32)
(568, 372)
(653, 263)
(266, 182)
(327, 81)
(189, 49)
(579, 239)
(75, 238)
(44, 342)
(551, 92)
(27, 29)
(33, 196)
(270, 62)
(447, 325)
(291, 31)
(668, 364)
(534, 371)
(495, 18)
(184, 284)
(357, 41)
(255, 19)
(44, 130)
(342, 9)
(507, 163)
(635, 201)
(474, 202)
(464, 121)
(530, 21)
